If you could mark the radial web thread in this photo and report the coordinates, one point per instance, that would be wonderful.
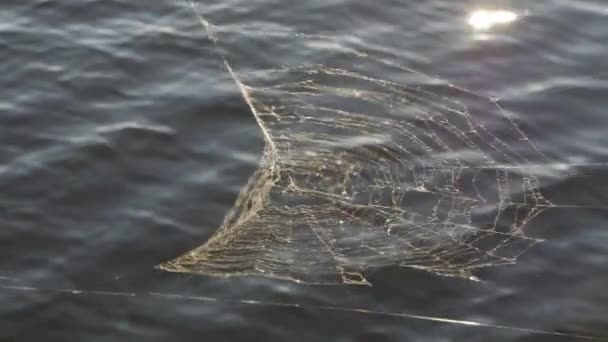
(361, 171)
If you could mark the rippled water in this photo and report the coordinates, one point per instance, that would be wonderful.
(124, 142)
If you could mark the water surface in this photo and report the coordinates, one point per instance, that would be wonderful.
(124, 142)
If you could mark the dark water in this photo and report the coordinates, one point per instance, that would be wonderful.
(123, 143)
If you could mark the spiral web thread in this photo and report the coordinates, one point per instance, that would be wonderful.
(362, 172)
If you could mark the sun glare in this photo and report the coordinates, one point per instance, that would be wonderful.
(483, 20)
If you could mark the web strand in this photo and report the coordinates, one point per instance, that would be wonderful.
(362, 172)
(296, 306)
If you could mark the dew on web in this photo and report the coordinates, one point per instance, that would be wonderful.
(368, 163)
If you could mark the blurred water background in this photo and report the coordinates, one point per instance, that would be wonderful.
(123, 143)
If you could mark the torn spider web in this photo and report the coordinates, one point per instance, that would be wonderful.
(367, 164)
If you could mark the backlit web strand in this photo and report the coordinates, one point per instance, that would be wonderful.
(362, 172)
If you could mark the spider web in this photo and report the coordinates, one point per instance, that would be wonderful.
(361, 171)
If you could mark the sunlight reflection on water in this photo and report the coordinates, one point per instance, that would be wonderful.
(484, 20)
